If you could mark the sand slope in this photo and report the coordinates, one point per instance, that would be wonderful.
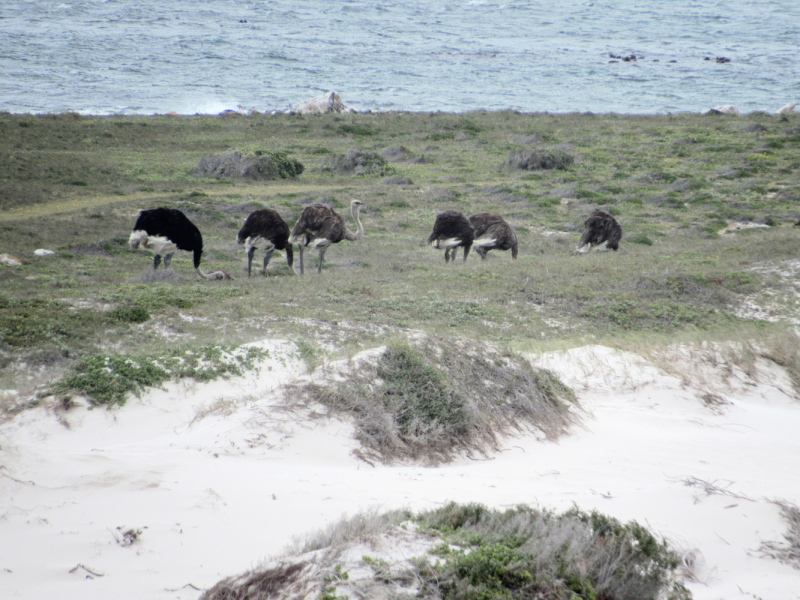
(216, 478)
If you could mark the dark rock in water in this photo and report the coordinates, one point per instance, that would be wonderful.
(629, 58)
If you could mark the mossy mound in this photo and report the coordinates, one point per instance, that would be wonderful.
(258, 166)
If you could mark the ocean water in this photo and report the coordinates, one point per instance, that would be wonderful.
(206, 56)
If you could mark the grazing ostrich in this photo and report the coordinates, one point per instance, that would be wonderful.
(492, 232)
(600, 231)
(319, 226)
(164, 230)
(451, 230)
(264, 228)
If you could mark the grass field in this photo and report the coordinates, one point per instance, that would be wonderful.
(74, 185)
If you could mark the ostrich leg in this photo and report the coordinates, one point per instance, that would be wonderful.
(446, 255)
(481, 252)
(167, 260)
(156, 261)
(321, 255)
(250, 253)
(300, 248)
(267, 256)
(466, 251)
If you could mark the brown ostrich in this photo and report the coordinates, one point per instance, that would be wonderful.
(492, 232)
(451, 230)
(264, 228)
(164, 230)
(600, 232)
(319, 226)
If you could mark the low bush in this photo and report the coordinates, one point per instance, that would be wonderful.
(532, 160)
(31, 322)
(129, 314)
(260, 166)
(475, 553)
(428, 403)
(107, 379)
(357, 162)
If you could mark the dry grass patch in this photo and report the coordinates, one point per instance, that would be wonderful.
(712, 367)
(435, 399)
(788, 551)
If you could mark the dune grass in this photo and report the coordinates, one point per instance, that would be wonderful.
(787, 551)
(436, 398)
(470, 552)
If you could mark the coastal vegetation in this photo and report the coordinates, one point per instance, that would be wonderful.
(708, 257)
(469, 552)
(707, 204)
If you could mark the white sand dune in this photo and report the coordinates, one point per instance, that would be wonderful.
(210, 493)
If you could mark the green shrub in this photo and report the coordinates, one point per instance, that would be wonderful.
(358, 130)
(539, 159)
(129, 314)
(640, 238)
(430, 403)
(107, 379)
(260, 166)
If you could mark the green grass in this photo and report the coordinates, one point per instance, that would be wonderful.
(672, 181)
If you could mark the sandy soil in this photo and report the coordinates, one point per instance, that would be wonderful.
(187, 485)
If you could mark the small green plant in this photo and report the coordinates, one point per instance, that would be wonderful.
(640, 238)
(107, 379)
(129, 314)
(358, 130)
(308, 353)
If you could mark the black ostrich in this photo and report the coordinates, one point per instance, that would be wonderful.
(319, 226)
(451, 230)
(600, 232)
(492, 232)
(164, 230)
(264, 228)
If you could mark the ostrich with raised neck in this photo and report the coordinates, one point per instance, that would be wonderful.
(319, 226)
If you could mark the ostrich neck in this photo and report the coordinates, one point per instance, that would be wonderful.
(359, 227)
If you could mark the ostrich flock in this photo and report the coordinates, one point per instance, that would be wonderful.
(165, 230)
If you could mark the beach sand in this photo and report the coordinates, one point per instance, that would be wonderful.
(207, 480)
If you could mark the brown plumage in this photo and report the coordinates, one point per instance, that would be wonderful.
(264, 228)
(319, 226)
(452, 230)
(600, 231)
(492, 232)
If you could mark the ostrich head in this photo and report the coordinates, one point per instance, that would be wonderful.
(137, 238)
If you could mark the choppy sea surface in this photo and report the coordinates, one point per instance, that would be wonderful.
(206, 56)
